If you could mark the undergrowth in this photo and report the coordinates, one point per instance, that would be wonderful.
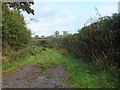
(80, 74)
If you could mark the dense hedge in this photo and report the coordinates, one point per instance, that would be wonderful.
(15, 35)
(99, 41)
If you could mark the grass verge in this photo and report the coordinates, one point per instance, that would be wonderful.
(80, 75)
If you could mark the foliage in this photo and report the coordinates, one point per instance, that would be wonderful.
(80, 75)
(43, 36)
(25, 6)
(57, 33)
(36, 36)
(65, 32)
(98, 41)
(15, 35)
(101, 40)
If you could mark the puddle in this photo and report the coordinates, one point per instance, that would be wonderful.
(42, 77)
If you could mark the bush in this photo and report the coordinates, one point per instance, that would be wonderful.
(15, 35)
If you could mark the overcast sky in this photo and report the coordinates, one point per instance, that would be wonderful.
(66, 16)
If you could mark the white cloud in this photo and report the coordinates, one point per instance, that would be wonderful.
(49, 26)
(76, 0)
(63, 18)
(66, 17)
(108, 9)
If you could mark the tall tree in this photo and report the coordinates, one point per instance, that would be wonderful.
(57, 33)
(65, 32)
(36, 36)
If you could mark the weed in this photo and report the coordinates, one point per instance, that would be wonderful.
(80, 75)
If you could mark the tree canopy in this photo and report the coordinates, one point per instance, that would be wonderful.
(25, 6)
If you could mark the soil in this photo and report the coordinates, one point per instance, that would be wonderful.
(32, 76)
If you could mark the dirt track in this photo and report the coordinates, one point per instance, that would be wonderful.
(32, 76)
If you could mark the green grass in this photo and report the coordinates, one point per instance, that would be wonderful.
(43, 58)
(85, 75)
(80, 75)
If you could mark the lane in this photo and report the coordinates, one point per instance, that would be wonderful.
(32, 76)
